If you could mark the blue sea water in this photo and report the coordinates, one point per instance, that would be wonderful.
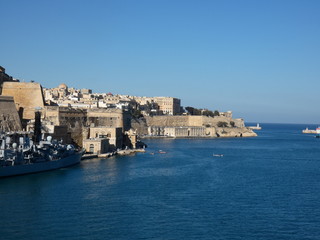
(266, 187)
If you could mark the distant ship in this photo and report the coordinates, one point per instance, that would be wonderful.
(307, 130)
(19, 155)
(318, 132)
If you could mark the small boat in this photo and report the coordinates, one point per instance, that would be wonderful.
(218, 155)
(162, 152)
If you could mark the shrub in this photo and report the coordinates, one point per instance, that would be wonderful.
(222, 124)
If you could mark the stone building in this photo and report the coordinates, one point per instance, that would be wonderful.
(182, 131)
(168, 105)
(84, 123)
(9, 118)
(96, 145)
(27, 97)
(114, 135)
(190, 120)
(109, 118)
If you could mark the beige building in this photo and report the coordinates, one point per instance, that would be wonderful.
(168, 105)
(96, 145)
(27, 97)
(113, 134)
(182, 131)
(188, 120)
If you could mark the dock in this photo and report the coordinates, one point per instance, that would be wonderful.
(121, 152)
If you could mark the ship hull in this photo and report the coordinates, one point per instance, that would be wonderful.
(9, 171)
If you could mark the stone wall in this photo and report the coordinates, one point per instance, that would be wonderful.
(182, 131)
(27, 97)
(114, 135)
(79, 121)
(196, 126)
(109, 118)
(140, 126)
(9, 118)
(168, 121)
(193, 121)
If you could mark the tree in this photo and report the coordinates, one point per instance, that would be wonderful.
(196, 112)
(190, 110)
(222, 124)
(216, 113)
(207, 113)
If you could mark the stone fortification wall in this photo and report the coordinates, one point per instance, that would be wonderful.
(9, 118)
(182, 131)
(187, 121)
(168, 121)
(105, 117)
(27, 97)
(79, 121)
(196, 126)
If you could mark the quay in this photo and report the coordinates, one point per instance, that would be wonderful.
(121, 152)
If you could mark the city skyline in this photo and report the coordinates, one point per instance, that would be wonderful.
(257, 59)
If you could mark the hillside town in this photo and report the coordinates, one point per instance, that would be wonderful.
(106, 122)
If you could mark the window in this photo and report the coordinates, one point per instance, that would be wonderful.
(92, 148)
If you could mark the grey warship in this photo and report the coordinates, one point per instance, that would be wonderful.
(20, 155)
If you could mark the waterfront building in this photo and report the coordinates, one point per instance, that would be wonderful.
(96, 145)
(182, 131)
(113, 134)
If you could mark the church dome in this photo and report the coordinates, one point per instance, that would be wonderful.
(63, 86)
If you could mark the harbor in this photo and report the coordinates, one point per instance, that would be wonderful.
(146, 196)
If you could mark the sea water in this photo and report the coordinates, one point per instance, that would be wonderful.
(267, 187)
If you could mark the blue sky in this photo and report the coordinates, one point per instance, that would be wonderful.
(259, 59)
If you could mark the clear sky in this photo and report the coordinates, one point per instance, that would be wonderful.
(259, 58)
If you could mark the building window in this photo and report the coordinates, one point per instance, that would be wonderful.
(92, 148)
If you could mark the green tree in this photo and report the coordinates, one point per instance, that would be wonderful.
(208, 113)
(222, 124)
(190, 110)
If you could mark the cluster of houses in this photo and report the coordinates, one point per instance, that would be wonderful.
(98, 122)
